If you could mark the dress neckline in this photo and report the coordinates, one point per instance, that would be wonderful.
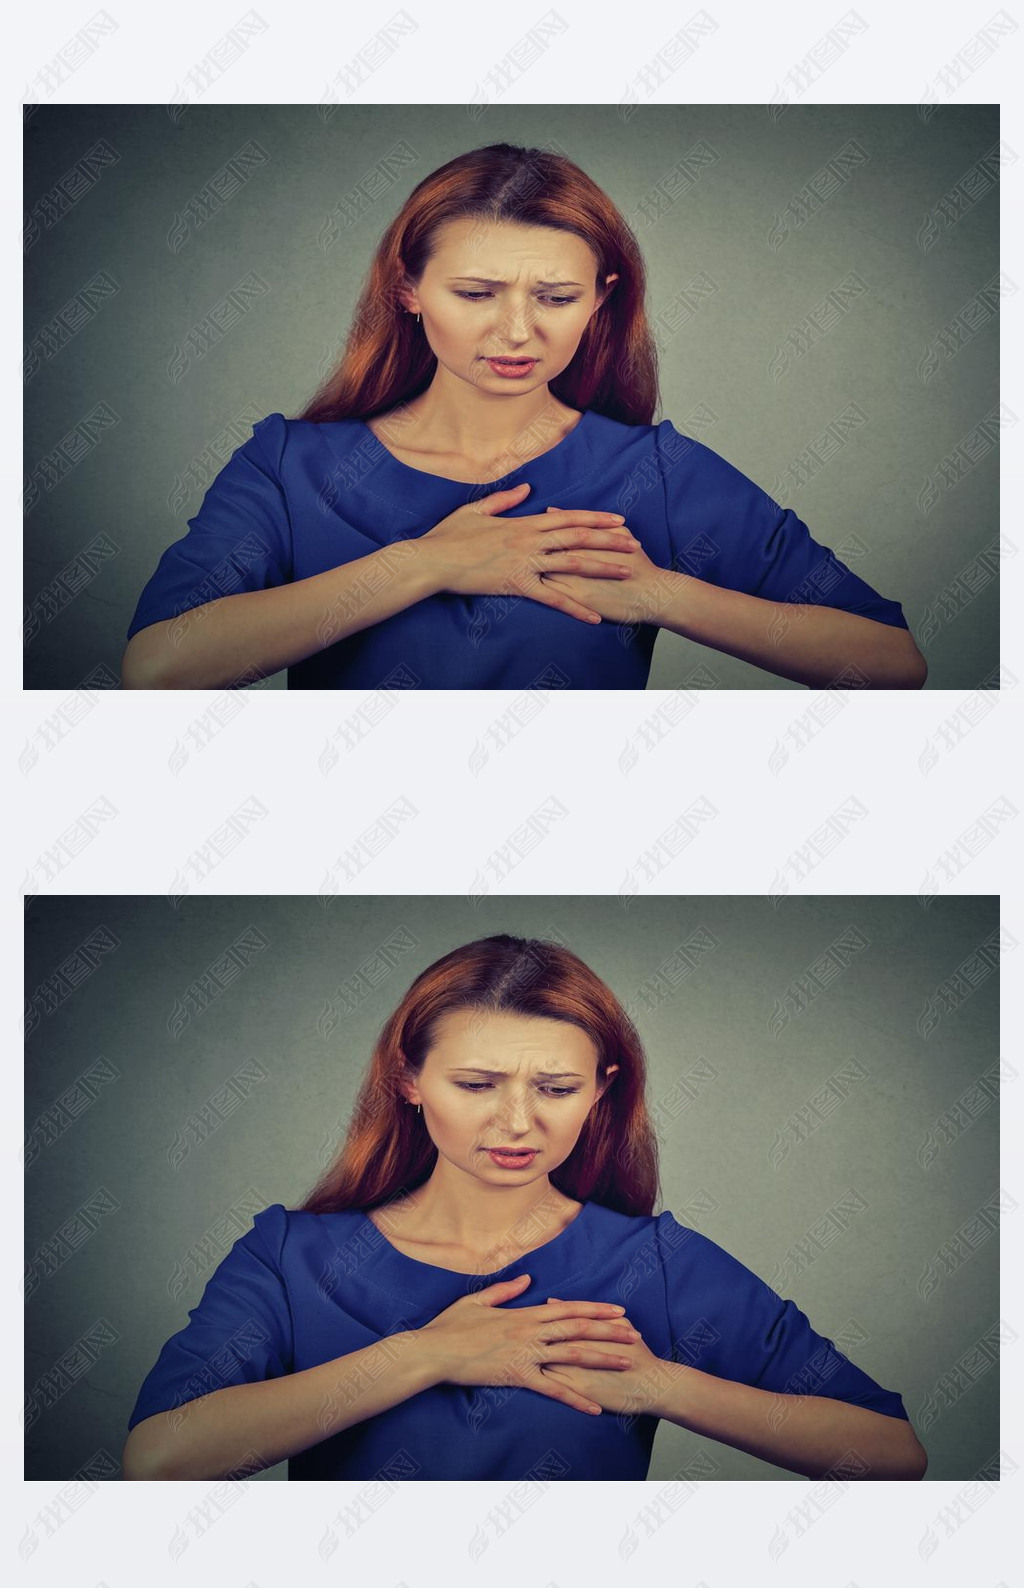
(523, 1260)
(383, 454)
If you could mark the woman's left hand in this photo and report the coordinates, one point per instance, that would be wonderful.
(632, 600)
(631, 1389)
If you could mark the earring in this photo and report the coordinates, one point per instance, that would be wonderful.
(417, 319)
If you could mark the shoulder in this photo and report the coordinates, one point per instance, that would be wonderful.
(276, 436)
(660, 1240)
(269, 1228)
(614, 433)
(272, 1225)
(661, 447)
(616, 1227)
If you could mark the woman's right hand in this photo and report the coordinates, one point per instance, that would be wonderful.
(473, 552)
(477, 1341)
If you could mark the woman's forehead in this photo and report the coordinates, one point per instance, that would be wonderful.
(493, 244)
(518, 1038)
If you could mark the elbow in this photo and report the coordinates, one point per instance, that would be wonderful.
(137, 1463)
(917, 669)
(146, 665)
(913, 667)
(134, 675)
(145, 1454)
(904, 667)
(913, 1458)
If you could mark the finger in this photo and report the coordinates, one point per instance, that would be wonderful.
(618, 1331)
(557, 1391)
(563, 603)
(564, 537)
(585, 563)
(552, 509)
(614, 1307)
(502, 501)
(573, 515)
(568, 1354)
(582, 1309)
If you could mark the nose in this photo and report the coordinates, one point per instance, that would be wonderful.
(515, 1115)
(517, 320)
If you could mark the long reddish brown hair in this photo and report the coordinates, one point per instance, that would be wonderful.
(387, 359)
(387, 1150)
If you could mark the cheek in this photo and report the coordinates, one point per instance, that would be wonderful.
(565, 334)
(450, 326)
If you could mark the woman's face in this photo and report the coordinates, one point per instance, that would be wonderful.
(494, 288)
(542, 1087)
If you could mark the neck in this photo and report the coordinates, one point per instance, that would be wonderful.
(484, 1218)
(456, 419)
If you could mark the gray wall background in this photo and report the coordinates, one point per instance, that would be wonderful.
(738, 1049)
(737, 238)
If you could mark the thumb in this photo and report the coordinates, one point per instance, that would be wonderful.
(502, 499)
(492, 1294)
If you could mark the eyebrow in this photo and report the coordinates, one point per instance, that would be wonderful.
(548, 1075)
(493, 281)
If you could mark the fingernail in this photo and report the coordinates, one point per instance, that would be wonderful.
(616, 1307)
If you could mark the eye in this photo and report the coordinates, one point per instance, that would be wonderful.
(549, 1091)
(476, 297)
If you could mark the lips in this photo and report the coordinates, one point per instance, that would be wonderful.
(494, 360)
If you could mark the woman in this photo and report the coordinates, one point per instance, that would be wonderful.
(438, 1308)
(477, 497)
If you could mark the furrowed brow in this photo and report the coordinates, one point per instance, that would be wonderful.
(493, 281)
(547, 1075)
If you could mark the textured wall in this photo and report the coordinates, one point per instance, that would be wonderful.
(853, 427)
(784, 1072)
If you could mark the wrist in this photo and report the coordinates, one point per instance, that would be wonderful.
(664, 595)
(430, 1364)
(426, 574)
(668, 1390)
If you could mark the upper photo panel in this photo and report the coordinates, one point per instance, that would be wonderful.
(498, 396)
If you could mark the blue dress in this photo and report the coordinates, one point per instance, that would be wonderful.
(300, 1289)
(300, 498)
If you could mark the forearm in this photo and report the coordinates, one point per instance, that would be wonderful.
(812, 645)
(238, 638)
(247, 1427)
(809, 1434)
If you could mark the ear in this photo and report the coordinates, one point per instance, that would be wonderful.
(406, 298)
(609, 1073)
(609, 282)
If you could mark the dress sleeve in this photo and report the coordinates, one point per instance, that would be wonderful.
(728, 531)
(240, 539)
(239, 1333)
(726, 1321)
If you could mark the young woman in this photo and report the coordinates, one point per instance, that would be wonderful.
(478, 498)
(451, 1300)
